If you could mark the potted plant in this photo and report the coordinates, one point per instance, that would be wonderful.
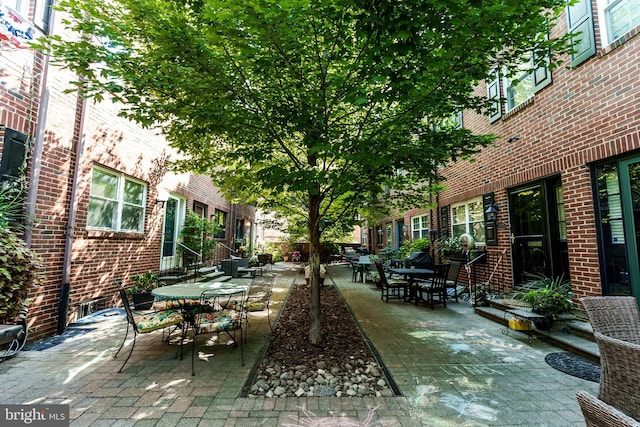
(140, 292)
(548, 296)
(450, 248)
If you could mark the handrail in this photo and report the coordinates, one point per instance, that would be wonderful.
(199, 255)
(476, 259)
(222, 244)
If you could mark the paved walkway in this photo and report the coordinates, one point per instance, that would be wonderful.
(453, 367)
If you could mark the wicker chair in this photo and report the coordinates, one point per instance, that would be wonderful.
(616, 317)
(620, 362)
(599, 414)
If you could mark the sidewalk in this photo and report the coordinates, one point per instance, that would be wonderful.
(452, 366)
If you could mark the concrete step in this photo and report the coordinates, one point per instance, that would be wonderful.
(567, 332)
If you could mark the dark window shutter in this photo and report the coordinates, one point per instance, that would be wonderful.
(14, 151)
(444, 221)
(493, 92)
(580, 23)
(541, 76)
(491, 235)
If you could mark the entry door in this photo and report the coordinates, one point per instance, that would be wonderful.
(173, 221)
(538, 239)
(619, 224)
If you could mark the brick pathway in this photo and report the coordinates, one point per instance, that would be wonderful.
(452, 366)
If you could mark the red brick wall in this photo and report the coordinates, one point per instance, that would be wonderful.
(99, 261)
(585, 115)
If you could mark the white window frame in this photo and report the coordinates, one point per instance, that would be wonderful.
(420, 227)
(469, 220)
(20, 6)
(116, 220)
(607, 7)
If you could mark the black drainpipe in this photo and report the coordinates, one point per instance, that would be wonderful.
(65, 289)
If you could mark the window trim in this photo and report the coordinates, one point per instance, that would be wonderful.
(422, 231)
(605, 29)
(468, 227)
(122, 179)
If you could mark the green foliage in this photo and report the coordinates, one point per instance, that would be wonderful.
(19, 266)
(547, 295)
(448, 246)
(387, 253)
(19, 272)
(307, 106)
(415, 245)
(143, 282)
(197, 235)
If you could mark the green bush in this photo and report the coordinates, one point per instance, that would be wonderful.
(415, 245)
(197, 235)
(19, 272)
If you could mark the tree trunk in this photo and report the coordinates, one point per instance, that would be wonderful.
(315, 329)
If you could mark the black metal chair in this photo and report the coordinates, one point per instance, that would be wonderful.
(436, 285)
(145, 323)
(391, 287)
(452, 278)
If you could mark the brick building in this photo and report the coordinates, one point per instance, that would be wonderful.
(563, 174)
(100, 199)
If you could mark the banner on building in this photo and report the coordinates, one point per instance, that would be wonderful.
(15, 29)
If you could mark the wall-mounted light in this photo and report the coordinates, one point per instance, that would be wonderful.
(162, 196)
(492, 212)
(513, 138)
(405, 228)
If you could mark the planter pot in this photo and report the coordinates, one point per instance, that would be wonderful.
(142, 300)
(520, 324)
(543, 324)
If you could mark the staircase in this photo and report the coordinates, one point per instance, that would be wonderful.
(568, 332)
(203, 274)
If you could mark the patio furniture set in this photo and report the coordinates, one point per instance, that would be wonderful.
(420, 280)
(197, 307)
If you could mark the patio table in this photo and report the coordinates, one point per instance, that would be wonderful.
(410, 274)
(193, 291)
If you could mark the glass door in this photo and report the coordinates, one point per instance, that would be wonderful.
(618, 204)
(173, 220)
(538, 239)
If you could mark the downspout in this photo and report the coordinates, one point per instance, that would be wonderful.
(63, 306)
(38, 144)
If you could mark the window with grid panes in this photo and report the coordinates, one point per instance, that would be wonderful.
(619, 16)
(116, 202)
(420, 227)
(468, 218)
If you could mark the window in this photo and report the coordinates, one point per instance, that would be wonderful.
(524, 83)
(20, 6)
(619, 16)
(42, 14)
(468, 218)
(116, 202)
(389, 234)
(420, 227)
(518, 87)
(363, 238)
(220, 219)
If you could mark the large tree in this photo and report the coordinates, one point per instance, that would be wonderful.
(312, 106)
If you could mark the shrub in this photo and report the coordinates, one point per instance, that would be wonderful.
(19, 272)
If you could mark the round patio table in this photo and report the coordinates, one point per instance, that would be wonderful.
(193, 291)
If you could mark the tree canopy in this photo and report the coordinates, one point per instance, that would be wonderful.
(312, 106)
